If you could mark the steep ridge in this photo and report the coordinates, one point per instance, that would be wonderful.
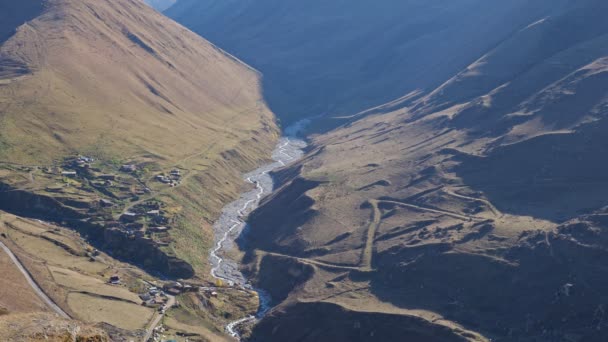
(341, 57)
(476, 208)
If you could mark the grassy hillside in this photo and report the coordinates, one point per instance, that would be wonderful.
(88, 86)
(341, 57)
(120, 83)
(118, 80)
(475, 211)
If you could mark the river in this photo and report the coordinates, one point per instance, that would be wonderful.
(231, 223)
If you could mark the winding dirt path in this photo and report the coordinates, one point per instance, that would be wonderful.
(495, 211)
(156, 320)
(313, 262)
(436, 211)
(372, 229)
(51, 304)
(376, 219)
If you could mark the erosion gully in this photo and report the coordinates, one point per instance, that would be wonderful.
(232, 222)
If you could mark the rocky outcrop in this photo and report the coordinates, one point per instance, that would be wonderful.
(145, 252)
(37, 205)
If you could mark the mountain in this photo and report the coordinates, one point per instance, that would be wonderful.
(341, 57)
(160, 5)
(473, 210)
(133, 132)
(119, 84)
(116, 78)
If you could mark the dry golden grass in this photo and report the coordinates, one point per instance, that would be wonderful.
(55, 255)
(122, 83)
(16, 295)
(198, 327)
(78, 282)
(75, 283)
(118, 80)
(39, 327)
(120, 314)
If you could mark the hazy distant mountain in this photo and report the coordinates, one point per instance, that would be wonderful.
(160, 5)
(343, 56)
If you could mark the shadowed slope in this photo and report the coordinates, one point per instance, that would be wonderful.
(480, 203)
(341, 57)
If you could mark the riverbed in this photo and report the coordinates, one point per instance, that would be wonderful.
(231, 223)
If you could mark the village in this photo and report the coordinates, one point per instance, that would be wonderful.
(163, 296)
(125, 203)
(121, 198)
(146, 219)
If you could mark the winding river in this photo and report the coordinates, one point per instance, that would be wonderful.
(232, 221)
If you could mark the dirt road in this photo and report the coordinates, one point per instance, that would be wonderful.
(33, 283)
(157, 318)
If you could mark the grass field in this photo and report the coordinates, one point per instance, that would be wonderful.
(16, 296)
(120, 314)
(75, 282)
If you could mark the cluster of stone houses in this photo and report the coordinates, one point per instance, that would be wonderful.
(154, 297)
(173, 179)
(72, 166)
(175, 288)
(81, 166)
(128, 168)
(115, 280)
(145, 218)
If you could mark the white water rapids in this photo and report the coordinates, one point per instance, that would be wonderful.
(232, 221)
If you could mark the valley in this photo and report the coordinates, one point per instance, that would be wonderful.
(232, 224)
(454, 197)
(103, 141)
(322, 171)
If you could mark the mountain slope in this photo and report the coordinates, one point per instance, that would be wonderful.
(134, 132)
(341, 57)
(120, 79)
(121, 84)
(476, 207)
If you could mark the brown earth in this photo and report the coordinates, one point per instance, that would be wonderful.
(16, 295)
(47, 327)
